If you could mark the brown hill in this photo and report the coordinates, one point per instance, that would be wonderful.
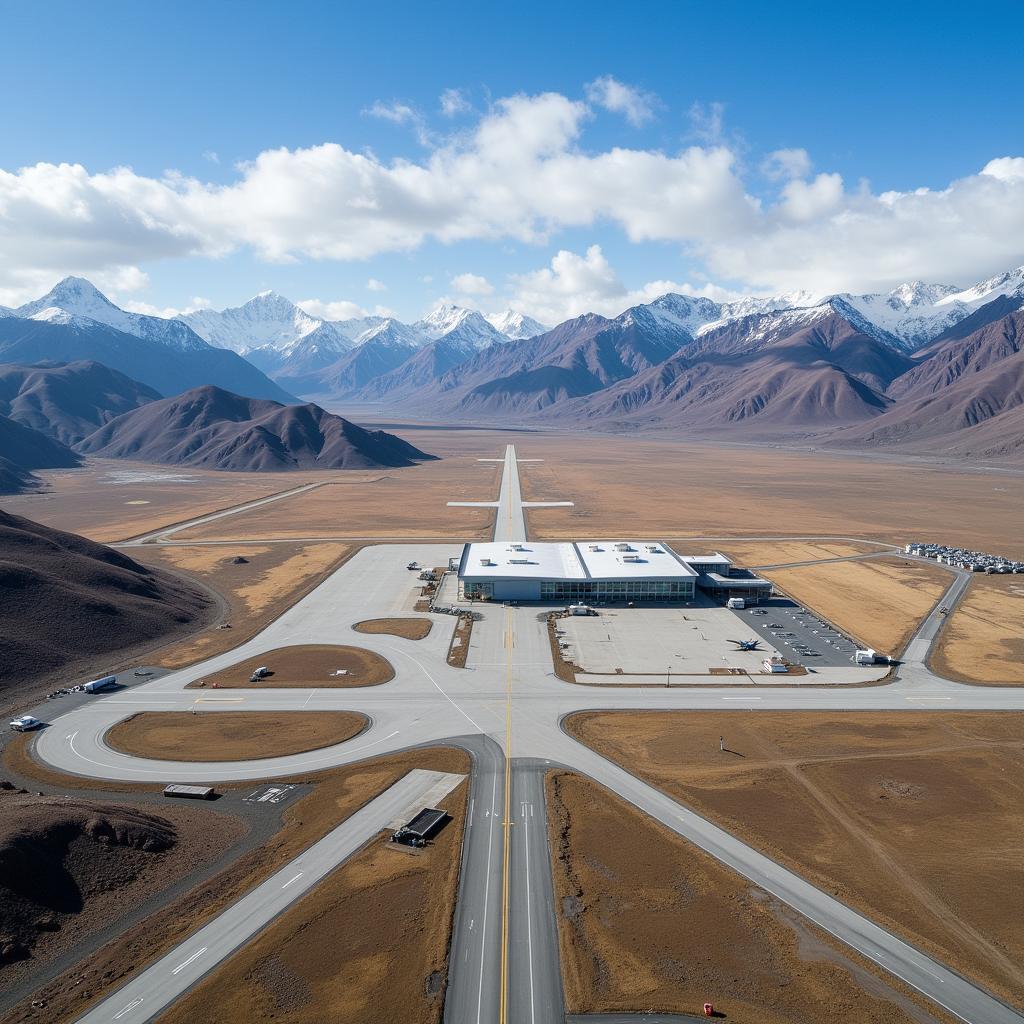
(70, 603)
(68, 401)
(216, 429)
(24, 449)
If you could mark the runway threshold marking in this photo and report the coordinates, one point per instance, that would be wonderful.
(195, 956)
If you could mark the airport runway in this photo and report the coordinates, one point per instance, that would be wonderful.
(506, 706)
(172, 975)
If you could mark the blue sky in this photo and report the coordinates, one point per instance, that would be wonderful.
(878, 98)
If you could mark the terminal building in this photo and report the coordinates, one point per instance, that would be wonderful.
(599, 571)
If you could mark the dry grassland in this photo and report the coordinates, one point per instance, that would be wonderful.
(304, 665)
(879, 602)
(231, 735)
(409, 629)
(336, 794)
(406, 504)
(983, 641)
(670, 489)
(782, 552)
(649, 922)
(323, 961)
(914, 818)
(257, 591)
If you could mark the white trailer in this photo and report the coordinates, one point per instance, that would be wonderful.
(99, 685)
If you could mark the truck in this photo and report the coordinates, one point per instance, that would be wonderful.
(736, 602)
(190, 792)
(870, 656)
(261, 673)
(26, 723)
(99, 685)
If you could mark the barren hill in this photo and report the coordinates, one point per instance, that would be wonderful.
(216, 429)
(69, 602)
(68, 401)
(23, 449)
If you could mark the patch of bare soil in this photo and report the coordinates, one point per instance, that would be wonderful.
(336, 794)
(69, 865)
(458, 649)
(313, 964)
(914, 818)
(231, 735)
(648, 921)
(409, 629)
(319, 665)
(258, 583)
(564, 669)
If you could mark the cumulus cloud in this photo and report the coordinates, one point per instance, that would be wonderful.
(634, 104)
(472, 284)
(194, 304)
(337, 310)
(521, 173)
(374, 285)
(786, 164)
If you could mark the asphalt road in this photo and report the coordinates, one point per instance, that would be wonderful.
(174, 974)
(510, 700)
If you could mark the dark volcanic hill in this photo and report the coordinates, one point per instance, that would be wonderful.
(168, 369)
(69, 602)
(23, 449)
(68, 401)
(216, 429)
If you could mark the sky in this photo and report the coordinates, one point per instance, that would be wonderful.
(551, 157)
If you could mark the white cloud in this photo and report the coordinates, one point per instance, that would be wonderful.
(211, 155)
(197, 302)
(708, 121)
(785, 164)
(521, 173)
(396, 113)
(454, 103)
(374, 285)
(634, 104)
(339, 310)
(472, 284)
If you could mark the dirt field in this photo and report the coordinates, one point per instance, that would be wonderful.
(914, 818)
(305, 665)
(257, 591)
(407, 504)
(337, 793)
(878, 602)
(649, 922)
(983, 642)
(315, 964)
(670, 489)
(409, 629)
(231, 735)
(781, 552)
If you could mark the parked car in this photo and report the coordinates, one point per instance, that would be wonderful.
(26, 723)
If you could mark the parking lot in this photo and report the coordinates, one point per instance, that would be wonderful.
(697, 639)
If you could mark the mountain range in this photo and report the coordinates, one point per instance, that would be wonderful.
(924, 367)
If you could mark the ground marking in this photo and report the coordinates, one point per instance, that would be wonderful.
(295, 879)
(130, 1006)
(193, 957)
(529, 919)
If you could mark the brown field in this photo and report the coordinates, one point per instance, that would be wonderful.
(231, 735)
(879, 602)
(406, 504)
(336, 794)
(649, 922)
(673, 489)
(914, 818)
(315, 964)
(781, 552)
(409, 629)
(256, 592)
(983, 642)
(305, 665)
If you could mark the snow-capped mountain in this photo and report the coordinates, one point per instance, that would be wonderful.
(466, 325)
(80, 298)
(515, 326)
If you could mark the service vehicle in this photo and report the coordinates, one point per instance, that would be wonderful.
(261, 673)
(26, 723)
(99, 685)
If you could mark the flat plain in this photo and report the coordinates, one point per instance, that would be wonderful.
(647, 920)
(913, 818)
(319, 665)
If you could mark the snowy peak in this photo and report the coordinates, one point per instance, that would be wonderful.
(390, 332)
(467, 326)
(1010, 283)
(515, 326)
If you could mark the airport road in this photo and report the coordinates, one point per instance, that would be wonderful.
(509, 699)
(172, 975)
(534, 973)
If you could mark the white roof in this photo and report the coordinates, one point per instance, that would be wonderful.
(599, 560)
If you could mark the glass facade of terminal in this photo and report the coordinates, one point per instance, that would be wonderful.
(593, 590)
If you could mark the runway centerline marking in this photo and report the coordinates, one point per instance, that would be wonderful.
(294, 879)
(195, 956)
(130, 1006)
